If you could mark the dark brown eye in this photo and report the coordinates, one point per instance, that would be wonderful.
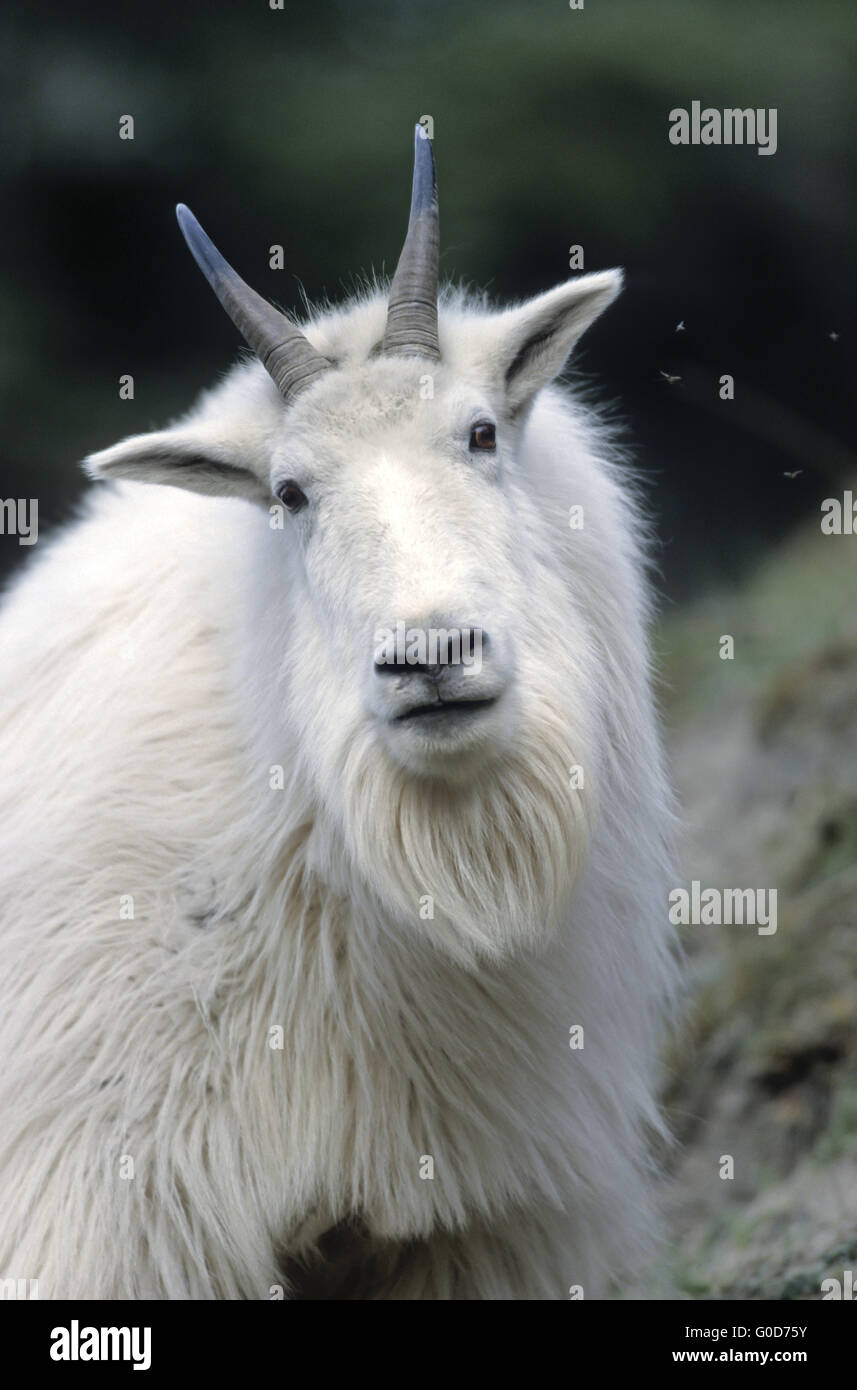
(483, 436)
(291, 497)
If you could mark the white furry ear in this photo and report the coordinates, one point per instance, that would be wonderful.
(185, 457)
(531, 343)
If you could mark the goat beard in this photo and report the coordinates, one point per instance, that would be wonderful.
(483, 868)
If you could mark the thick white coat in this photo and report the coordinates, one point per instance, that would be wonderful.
(228, 1026)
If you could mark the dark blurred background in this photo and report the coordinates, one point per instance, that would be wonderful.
(293, 126)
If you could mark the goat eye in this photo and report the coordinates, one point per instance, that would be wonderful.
(291, 497)
(483, 436)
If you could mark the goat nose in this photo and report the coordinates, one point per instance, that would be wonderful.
(429, 650)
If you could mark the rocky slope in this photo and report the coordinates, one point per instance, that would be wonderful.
(764, 1068)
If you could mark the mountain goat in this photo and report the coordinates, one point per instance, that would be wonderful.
(333, 969)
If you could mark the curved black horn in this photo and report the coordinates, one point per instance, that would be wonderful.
(412, 307)
(284, 352)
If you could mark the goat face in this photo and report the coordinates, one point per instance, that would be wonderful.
(425, 635)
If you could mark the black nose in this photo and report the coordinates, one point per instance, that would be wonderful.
(431, 652)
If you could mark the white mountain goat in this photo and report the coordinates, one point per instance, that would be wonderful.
(331, 971)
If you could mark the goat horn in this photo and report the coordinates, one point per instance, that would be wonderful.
(288, 357)
(412, 308)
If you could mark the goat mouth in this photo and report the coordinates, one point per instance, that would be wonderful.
(442, 709)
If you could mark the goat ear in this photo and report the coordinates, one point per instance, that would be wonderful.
(531, 343)
(182, 457)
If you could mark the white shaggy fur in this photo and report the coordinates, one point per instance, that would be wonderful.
(160, 658)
